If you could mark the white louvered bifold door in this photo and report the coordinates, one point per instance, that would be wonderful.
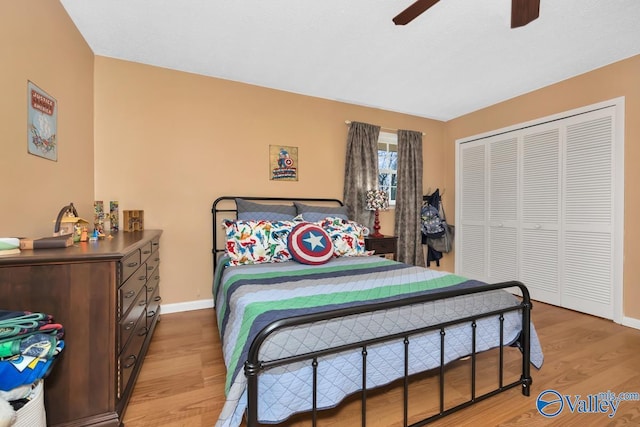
(471, 224)
(588, 207)
(541, 204)
(503, 210)
(540, 190)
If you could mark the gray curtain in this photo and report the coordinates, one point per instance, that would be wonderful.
(409, 198)
(361, 170)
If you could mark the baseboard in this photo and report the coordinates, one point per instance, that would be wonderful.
(631, 322)
(187, 306)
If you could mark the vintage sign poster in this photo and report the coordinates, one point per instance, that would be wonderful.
(283, 163)
(42, 138)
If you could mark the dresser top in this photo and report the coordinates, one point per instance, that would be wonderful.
(121, 244)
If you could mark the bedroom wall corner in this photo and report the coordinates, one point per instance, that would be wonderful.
(619, 79)
(41, 44)
(170, 143)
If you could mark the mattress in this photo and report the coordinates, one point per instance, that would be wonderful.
(249, 297)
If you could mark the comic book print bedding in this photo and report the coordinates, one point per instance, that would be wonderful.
(249, 297)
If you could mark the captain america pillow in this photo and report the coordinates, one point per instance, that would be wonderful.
(309, 244)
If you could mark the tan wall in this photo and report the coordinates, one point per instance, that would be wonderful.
(39, 42)
(170, 143)
(618, 79)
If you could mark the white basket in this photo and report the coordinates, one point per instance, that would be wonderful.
(33, 414)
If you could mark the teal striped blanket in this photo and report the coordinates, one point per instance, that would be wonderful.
(250, 297)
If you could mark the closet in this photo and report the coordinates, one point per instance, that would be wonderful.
(542, 203)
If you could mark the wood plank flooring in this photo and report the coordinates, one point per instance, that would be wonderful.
(182, 380)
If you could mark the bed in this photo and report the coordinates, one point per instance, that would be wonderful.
(299, 337)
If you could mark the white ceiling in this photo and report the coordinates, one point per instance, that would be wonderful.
(458, 57)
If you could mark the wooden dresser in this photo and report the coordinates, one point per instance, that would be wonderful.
(106, 295)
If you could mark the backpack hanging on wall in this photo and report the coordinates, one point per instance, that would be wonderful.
(431, 222)
(445, 242)
(436, 232)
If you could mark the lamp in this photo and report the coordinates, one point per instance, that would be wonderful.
(377, 200)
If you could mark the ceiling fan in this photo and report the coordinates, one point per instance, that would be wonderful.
(522, 12)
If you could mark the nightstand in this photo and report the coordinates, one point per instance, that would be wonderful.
(385, 246)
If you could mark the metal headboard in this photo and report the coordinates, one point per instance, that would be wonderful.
(225, 208)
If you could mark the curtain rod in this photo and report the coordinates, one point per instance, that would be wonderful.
(348, 123)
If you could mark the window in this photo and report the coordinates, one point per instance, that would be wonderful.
(388, 164)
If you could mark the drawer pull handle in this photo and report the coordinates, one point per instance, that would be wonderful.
(157, 277)
(142, 277)
(142, 303)
(157, 259)
(157, 299)
(130, 294)
(146, 252)
(132, 264)
(131, 361)
(151, 313)
(149, 268)
(129, 326)
(151, 289)
(144, 331)
(155, 243)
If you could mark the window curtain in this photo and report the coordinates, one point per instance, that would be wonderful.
(409, 198)
(361, 170)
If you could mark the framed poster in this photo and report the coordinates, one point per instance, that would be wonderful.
(283, 163)
(42, 138)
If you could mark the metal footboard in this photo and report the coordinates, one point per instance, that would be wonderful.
(253, 366)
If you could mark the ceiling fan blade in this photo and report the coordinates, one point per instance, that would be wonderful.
(523, 12)
(413, 11)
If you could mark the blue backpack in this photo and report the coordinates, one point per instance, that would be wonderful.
(431, 222)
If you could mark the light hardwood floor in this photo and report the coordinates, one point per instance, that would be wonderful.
(182, 380)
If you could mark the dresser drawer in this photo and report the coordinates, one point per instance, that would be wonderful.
(153, 304)
(152, 262)
(130, 356)
(131, 288)
(153, 283)
(155, 244)
(129, 264)
(128, 323)
(145, 252)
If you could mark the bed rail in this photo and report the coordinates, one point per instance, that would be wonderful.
(253, 365)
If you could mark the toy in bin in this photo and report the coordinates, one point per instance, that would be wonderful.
(23, 406)
(29, 345)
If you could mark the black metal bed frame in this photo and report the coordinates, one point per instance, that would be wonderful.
(253, 365)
